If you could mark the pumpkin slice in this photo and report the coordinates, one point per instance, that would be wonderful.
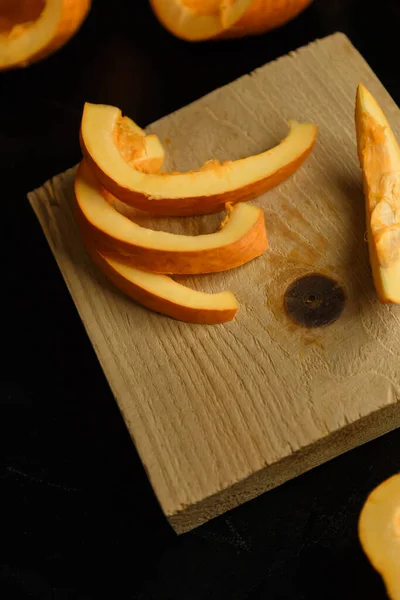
(379, 156)
(379, 533)
(33, 29)
(196, 20)
(164, 295)
(242, 236)
(198, 192)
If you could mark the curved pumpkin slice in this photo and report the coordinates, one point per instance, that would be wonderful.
(164, 295)
(198, 192)
(241, 238)
(33, 29)
(195, 20)
(379, 156)
(379, 532)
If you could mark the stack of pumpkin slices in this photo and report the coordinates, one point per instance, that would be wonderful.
(122, 162)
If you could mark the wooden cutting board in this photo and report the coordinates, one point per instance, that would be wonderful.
(220, 414)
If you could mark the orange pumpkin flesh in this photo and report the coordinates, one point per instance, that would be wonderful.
(142, 152)
(379, 533)
(164, 295)
(203, 191)
(196, 20)
(241, 238)
(32, 29)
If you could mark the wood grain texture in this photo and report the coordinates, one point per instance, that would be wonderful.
(221, 413)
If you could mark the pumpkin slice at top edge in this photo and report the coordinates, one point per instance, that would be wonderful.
(30, 30)
(196, 20)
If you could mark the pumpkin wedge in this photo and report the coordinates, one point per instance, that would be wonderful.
(164, 295)
(32, 29)
(203, 191)
(379, 156)
(379, 533)
(242, 236)
(196, 20)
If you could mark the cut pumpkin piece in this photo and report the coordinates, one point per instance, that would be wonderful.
(32, 29)
(379, 533)
(379, 156)
(203, 191)
(164, 295)
(195, 20)
(241, 238)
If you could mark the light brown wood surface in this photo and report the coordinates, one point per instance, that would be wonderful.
(222, 413)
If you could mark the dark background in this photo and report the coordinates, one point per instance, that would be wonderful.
(78, 517)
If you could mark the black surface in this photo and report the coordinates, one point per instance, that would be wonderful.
(78, 517)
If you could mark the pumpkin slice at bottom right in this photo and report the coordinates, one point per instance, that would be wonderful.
(379, 533)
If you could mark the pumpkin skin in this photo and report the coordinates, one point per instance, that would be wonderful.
(198, 20)
(31, 30)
